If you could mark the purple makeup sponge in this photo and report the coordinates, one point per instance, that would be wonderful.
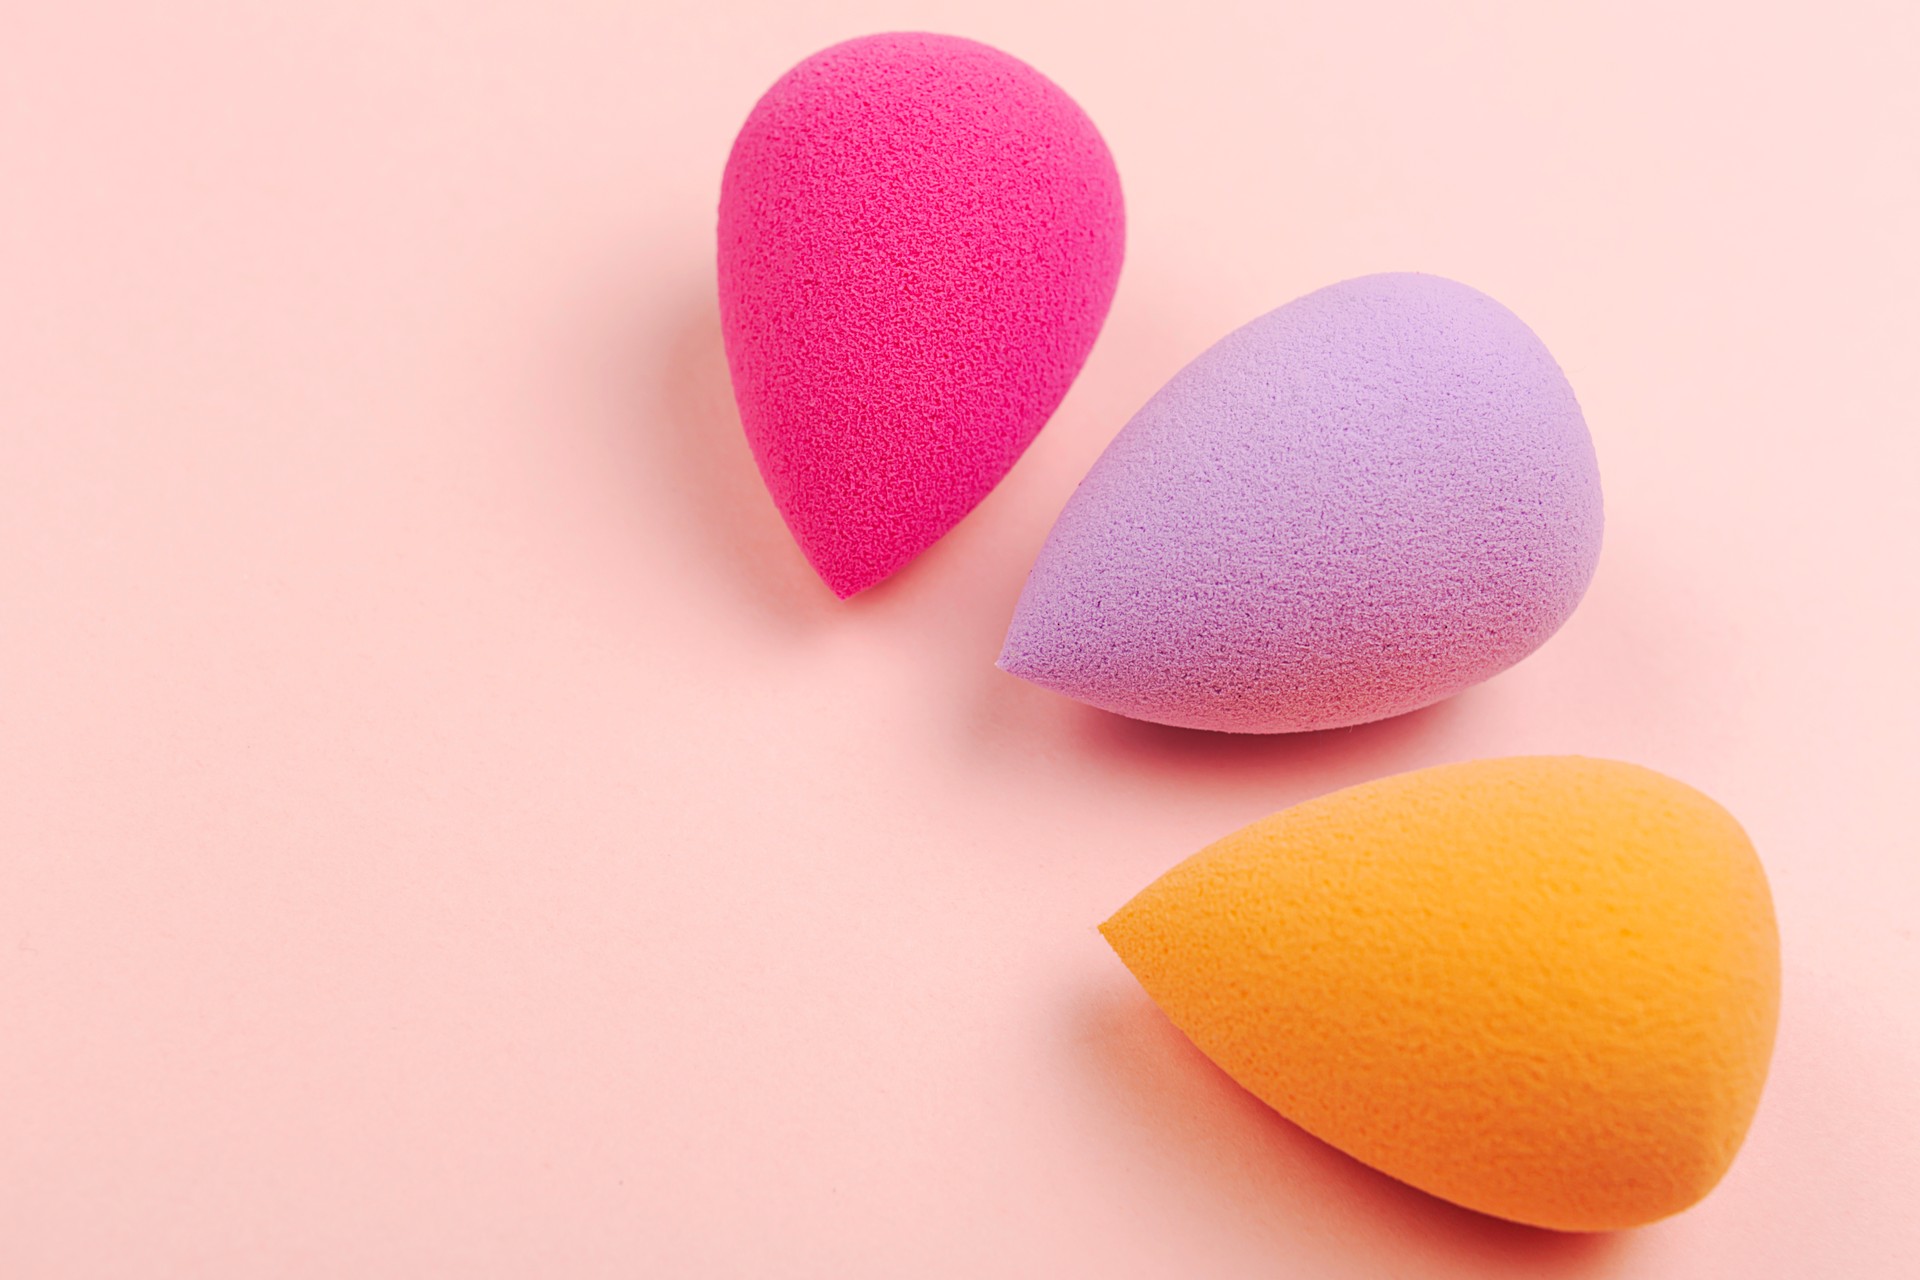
(1354, 506)
(919, 237)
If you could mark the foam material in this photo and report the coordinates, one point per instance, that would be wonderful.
(1354, 506)
(1541, 987)
(919, 240)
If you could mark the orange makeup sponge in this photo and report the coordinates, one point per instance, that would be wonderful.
(1542, 987)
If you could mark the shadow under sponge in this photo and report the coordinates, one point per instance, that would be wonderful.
(919, 240)
(1352, 507)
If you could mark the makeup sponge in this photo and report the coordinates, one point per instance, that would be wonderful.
(1354, 506)
(919, 240)
(1544, 987)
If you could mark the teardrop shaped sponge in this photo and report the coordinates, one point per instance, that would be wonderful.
(1356, 505)
(919, 239)
(1542, 987)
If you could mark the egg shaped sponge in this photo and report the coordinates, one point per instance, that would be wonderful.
(1354, 506)
(1543, 987)
(919, 240)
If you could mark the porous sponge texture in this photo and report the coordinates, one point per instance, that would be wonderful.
(1356, 505)
(920, 237)
(1543, 987)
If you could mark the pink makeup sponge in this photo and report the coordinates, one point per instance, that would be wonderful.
(1354, 506)
(919, 240)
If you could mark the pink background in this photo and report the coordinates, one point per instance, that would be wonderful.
(447, 830)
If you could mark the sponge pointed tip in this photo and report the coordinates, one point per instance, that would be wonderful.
(848, 579)
(848, 562)
(1122, 932)
(1019, 654)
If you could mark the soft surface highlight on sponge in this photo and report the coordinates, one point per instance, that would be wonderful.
(919, 240)
(1543, 987)
(1354, 506)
